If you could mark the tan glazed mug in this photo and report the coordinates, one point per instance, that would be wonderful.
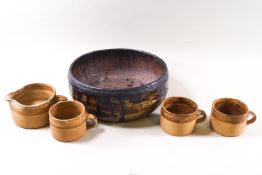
(30, 104)
(69, 120)
(179, 116)
(229, 116)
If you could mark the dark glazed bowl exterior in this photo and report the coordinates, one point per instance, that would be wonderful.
(92, 78)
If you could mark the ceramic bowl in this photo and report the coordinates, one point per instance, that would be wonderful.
(118, 84)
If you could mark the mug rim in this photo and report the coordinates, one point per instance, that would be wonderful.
(232, 100)
(176, 114)
(70, 119)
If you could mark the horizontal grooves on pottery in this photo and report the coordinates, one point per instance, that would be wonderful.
(178, 119)
(121, 106)
(121, 57)
(118, 104)
(229, 119)
(68, 127)
(122, 92)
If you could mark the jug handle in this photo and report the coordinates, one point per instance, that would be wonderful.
(61, 98)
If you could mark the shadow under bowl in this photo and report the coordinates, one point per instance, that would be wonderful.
(118, 84)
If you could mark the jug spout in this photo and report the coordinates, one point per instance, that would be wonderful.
(10, 96)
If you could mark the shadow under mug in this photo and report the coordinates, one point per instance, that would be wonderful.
(69, 120)
(179, 116)
(229, 117)
(30, 104)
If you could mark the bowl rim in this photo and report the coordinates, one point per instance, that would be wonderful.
(163, 77)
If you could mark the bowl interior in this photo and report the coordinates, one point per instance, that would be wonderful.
(117, 69)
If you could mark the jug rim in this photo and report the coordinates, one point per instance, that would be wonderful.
(9, 99)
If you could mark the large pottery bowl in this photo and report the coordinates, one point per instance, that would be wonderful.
(118, 84)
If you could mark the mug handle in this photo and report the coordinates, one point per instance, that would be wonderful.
(91, 121)
(253, 119)
(201, 116)
(61, 98)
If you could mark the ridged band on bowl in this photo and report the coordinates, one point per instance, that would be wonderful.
(117, 105)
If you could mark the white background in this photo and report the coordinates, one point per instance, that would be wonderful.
(213, 49)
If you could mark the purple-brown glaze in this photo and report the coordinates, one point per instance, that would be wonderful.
(118, 84)
(117, 70)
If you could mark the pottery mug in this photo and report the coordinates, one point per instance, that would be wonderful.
(69, 120)
(229, 116)
(30, 104)
(179, 116)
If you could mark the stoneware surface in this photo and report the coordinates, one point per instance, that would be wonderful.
(179, 116)
(212, 49)
(118, 84)
(229, 117)
(30, 104)
(68, 120)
